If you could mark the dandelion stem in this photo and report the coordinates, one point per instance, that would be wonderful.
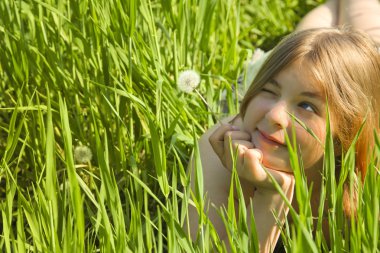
(208, 106)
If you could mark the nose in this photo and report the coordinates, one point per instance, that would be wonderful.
(277, 115)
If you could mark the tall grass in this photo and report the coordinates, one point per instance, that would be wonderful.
(103, 74)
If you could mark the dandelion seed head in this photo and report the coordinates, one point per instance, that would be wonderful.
(188, 80)
(82, 154)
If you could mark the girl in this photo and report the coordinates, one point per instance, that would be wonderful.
(363, 15)
(304, 71)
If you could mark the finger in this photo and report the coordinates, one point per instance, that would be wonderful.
(258, 174)
(253, 169)
(218, 134)
(216, 139)
(238, 148)
(231, 146)
(284, 179)
(234, 138)
(237, 135)
(235, 143)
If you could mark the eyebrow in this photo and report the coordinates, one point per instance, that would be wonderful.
(315, 95)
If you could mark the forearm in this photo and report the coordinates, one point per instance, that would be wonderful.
(265, 203)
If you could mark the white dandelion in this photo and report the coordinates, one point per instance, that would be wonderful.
(188, 80)
(82, 154)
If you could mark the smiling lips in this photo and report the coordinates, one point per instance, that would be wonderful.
(270, 139)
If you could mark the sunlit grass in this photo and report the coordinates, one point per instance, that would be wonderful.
(103, 74)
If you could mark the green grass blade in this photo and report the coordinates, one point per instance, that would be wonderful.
(75, 193)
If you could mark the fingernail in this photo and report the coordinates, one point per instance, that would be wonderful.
(235, 127)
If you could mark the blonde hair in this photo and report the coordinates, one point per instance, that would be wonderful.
(346, 64)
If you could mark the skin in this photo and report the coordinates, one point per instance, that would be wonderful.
(325, 15)
(360, 14)
(267, 119)
(259, 138)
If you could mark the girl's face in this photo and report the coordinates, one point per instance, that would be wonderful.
(267, 118)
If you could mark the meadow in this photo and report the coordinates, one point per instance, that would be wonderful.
(95, 137)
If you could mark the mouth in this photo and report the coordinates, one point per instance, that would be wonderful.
(270, 139)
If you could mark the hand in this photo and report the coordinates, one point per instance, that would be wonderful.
(228, 139)
(221, 139)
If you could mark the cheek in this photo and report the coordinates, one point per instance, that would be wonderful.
(318, 129)
(311, 149)
(255, 111)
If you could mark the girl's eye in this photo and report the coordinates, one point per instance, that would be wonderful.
(268, 91)
(308, 107)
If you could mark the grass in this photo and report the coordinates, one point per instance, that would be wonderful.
(103, 74)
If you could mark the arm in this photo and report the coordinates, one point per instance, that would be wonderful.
(264, 202)
(266, 199)
(216, 180)
(216, 172)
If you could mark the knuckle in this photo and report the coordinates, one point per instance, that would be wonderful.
(241, 148)
(228, 134)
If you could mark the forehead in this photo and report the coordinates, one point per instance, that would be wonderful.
(300, 75)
